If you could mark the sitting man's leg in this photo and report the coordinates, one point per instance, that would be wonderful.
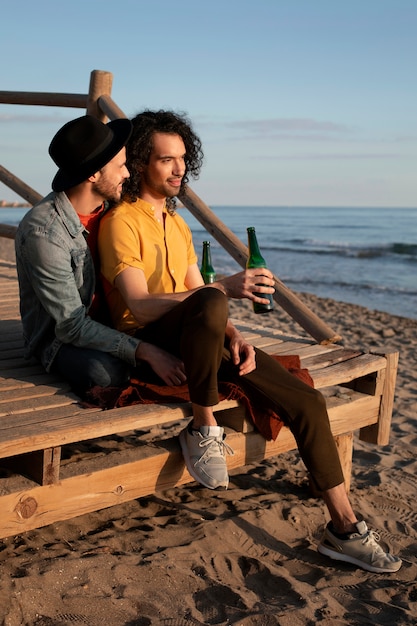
(84, 368)
(194, 330)
(303, 410)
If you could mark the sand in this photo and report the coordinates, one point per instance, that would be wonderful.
(245, 556)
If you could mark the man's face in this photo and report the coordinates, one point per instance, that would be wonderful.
(111, 178)
(162, 177)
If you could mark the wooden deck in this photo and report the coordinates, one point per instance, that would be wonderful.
(59, 460)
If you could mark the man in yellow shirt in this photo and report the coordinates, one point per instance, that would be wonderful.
(156, 293)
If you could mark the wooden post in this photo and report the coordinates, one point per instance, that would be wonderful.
(232, 244)
(379, 433)
(344, 444)
(100, 84)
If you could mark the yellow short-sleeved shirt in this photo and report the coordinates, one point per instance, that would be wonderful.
(130, 236)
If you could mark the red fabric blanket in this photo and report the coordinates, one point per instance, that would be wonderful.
(138, 392)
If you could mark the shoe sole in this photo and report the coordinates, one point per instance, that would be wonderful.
(337, 556)
(190, 466)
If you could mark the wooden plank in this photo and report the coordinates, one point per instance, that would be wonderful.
(7, 384)
(313, 360)
(293, 347)
(37, 431)
(25, 435)
(34, 431)
(268, 344)
(348, 370)
(43, 419)
(11, 398)
(77, 495)
(36, 404)
(350, 416)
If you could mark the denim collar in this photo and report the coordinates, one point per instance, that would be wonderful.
(68, 214)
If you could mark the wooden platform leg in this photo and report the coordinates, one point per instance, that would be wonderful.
(42, 466)
(344, 445)
(50, 466)
(379, 433)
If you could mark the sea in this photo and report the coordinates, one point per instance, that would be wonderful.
(365, 256)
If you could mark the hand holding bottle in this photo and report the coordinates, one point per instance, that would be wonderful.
(256, 260)
(255, 284)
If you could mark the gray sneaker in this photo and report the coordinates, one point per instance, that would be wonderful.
(204, 455)
(360, 548)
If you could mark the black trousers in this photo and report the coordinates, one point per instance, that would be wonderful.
(194, 330)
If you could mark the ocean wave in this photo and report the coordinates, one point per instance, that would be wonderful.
(407, 251)
(349, 286)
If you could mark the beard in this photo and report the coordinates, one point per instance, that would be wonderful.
(108, 191)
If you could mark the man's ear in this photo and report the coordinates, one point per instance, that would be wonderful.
(94, 177)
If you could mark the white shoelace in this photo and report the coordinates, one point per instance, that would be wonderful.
(207, 442)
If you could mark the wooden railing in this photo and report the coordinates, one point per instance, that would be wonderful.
(98, 102)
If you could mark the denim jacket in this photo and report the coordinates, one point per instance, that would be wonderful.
(56, 283)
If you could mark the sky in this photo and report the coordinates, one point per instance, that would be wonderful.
(297, 102)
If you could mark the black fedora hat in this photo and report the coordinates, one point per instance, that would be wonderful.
(83, 146)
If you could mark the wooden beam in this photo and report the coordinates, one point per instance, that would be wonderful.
(110, 108)
(43, 98)
(17, 185)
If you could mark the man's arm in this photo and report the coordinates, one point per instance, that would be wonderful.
(51, 275)
(146, 307)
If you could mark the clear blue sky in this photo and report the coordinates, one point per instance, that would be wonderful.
(298, 102)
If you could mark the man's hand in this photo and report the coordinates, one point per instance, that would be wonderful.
(248, 282)
(165, 365)
(243, 354)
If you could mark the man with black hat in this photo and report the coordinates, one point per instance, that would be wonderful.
(55, 254)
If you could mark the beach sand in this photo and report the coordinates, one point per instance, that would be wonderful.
(245, 556)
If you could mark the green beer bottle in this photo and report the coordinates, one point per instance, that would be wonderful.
(206, 269)
(256, 259)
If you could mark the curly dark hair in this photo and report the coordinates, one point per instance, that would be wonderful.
(140, 144)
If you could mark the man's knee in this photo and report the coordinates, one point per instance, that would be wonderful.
(84, 368)
(318, 405)
(107, 372)
(212, 308)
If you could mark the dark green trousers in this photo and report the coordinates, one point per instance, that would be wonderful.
(194, 330)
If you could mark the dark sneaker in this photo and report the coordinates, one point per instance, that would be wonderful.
(360, 548)
(204, 455)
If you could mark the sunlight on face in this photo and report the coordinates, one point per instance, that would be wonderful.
(111, 178)
(162, 177)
